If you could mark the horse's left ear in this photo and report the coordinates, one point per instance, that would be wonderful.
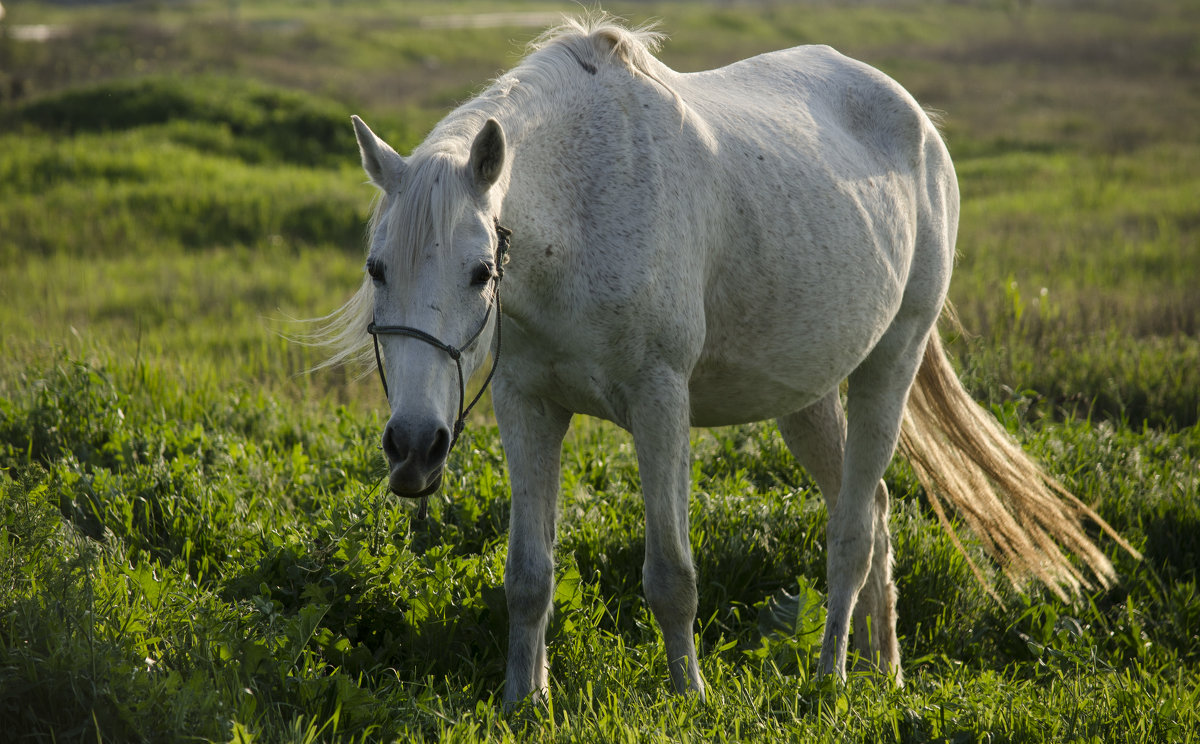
(487, 155)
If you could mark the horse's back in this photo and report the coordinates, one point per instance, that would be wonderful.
(831, 175)
(815, 103)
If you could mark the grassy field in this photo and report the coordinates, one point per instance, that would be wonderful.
(194, 541)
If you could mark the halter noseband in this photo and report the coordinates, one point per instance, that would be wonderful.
(504, 235)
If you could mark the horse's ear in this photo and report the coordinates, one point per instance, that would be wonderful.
(487, 155)
(383, 164)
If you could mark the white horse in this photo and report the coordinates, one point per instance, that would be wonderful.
(692, 250)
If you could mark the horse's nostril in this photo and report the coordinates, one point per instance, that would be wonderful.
(391, 447)
(402, 450)
(440, 448)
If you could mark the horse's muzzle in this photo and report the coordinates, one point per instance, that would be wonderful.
(403, 488)
(416, 458)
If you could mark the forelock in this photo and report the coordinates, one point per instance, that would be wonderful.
(433, 196)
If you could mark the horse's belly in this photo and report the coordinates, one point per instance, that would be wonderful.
(739, 391)
(719, 400)
(771, 356)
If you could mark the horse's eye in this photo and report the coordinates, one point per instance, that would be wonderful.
(375, 271)
(482, 274)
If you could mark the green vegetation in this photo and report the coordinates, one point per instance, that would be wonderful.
(194, 539)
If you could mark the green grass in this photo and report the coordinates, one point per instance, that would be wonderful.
(194, 541)
(233, 560)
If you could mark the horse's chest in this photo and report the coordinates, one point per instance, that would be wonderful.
(581, 384)
(556, 355)
(589, 345)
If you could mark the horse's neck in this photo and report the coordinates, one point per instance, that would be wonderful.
(544, 121)
(547, 171)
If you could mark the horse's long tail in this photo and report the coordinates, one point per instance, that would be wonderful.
(1025, 518)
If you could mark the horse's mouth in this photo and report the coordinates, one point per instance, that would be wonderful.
(403, 487)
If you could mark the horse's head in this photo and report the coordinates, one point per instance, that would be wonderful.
(435, 261)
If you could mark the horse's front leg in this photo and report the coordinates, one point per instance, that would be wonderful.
(532, 431)
(659, 423)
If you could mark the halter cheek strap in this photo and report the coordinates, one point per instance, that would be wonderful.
(504, 236)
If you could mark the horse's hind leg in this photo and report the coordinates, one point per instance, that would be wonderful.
(877, 394)
(875, 612)
(816, 436)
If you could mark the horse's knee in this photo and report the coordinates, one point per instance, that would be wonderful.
(670, 589)
(528, 586)
(529, 590)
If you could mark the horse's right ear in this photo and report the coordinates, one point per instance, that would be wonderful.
(383, 164)
(487, 155)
